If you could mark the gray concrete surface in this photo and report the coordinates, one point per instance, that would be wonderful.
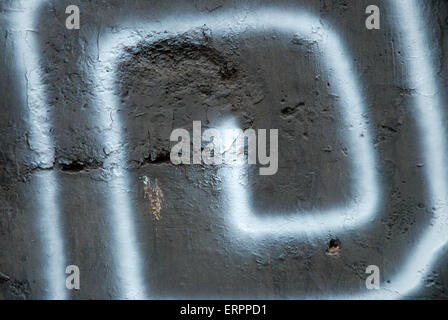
(265, 80)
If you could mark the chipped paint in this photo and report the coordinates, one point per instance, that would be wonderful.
(154, 194)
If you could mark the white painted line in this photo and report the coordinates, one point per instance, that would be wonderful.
(33, 93)
(428, 109)
(337, 59)
(356, 132)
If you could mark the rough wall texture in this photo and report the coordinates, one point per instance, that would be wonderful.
(266, 80)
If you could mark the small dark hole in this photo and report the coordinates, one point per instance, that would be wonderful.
(78, 166)
(334, 247)
(75, 166)
(162, 157)
(334, 243)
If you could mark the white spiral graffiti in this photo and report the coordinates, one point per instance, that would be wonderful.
(241, 216)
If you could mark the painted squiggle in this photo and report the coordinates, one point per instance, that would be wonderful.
(427, 106)
(364, 206)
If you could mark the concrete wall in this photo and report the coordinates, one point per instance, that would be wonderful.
(74, 154)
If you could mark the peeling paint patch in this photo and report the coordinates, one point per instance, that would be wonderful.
(154, 194)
